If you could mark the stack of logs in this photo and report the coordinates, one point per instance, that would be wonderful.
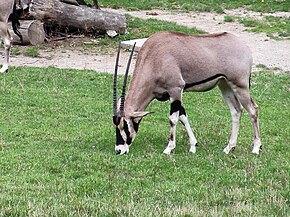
(68, 14)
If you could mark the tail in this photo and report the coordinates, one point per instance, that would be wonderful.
(14, 18)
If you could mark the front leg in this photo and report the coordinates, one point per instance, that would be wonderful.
(184, 120)
(173, 120)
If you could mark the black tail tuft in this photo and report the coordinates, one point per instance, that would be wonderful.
(14, 18)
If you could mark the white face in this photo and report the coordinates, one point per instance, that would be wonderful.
(126, 130)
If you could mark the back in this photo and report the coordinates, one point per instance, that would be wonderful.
(196, 54)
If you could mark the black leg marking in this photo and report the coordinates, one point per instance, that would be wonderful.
(175, 106)
(182, 111)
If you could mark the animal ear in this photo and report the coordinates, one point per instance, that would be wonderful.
(139, 114)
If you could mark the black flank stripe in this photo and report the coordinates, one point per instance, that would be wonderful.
(204, 81)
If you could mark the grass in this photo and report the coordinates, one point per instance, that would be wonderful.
(31, 52)
(229, 19)
(57, 152)
(274, 27)
(198, 5)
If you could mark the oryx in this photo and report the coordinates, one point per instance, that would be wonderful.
(10, 10)
(170, 63)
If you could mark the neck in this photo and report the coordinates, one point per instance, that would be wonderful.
(138, 100)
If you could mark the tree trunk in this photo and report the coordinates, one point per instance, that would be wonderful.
(55, 12)
(32, 33)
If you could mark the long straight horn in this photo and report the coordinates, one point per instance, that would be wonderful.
(115, 82)
(125, 82)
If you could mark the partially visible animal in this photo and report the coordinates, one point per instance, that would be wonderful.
(170, 63)
(10, 10)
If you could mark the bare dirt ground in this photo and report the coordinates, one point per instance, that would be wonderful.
(266, 51)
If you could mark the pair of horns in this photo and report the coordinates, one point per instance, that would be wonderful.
(121, 111)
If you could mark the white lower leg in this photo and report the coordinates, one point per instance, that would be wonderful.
(257, 141)
(257, 146)
(233, 138)
(253, 113)
(172, 141)
(7, 53)
(192, 139)
(236, 112)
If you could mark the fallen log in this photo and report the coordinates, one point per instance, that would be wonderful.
(56, 12)
(32, 32)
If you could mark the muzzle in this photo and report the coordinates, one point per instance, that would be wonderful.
(122, 149)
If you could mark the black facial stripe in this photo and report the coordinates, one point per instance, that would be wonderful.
(175, 106)
(116, 120)
(119, 138)
(182, 111)
(204, 81)
(126, 129)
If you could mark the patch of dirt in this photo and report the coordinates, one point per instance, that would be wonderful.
(266, 51)
(70, 53)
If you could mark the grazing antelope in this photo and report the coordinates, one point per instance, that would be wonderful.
(10, 10)
(170, 63)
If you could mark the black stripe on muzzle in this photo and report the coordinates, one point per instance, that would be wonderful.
(119, 138)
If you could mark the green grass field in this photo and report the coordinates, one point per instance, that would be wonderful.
(57, 152)
(198, 5)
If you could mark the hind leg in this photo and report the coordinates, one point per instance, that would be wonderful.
(243, 94)
(236, 111)
(4, 33)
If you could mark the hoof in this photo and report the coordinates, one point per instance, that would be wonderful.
(228, 149)
(192, 149)
(168, 151)
(256, 149)
(5, 71)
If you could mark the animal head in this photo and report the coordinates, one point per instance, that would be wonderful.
(126, 130)
(126, 126)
